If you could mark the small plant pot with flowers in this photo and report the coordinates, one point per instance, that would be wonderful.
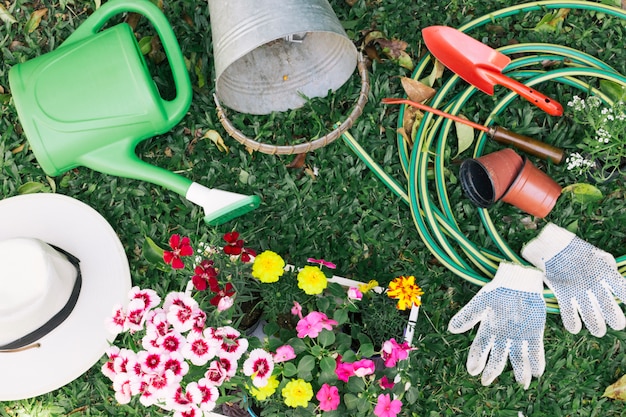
(601, 154)
(326, 363)
(185, 351)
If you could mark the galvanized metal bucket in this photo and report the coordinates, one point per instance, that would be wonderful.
(268, 54)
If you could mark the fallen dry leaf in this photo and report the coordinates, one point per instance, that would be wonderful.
(35, 20)
(416, 90)
(298, 161)
(617, 390)
(216, 138)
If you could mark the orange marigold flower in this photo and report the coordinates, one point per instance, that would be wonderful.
(406, 291)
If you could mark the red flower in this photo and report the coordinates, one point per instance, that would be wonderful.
(205, 276)
(180, 247)
(227, 291)
(234, 244)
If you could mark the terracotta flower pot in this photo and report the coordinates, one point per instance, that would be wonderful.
(487, 178)
(533, 191)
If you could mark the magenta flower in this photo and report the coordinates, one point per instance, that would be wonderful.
(386, 407)
(363, 367)
(284, 353)
(344, 370)
(392, 352)
(322, 262)
(328, 397)
(385, 383)
(354, 294)
(296, 310)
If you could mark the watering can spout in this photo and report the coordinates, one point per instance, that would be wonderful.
(219, 206)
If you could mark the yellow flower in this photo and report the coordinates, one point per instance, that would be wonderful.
(297, 393)
(268, 390)
(369, 286)
(268, 267)
(406, 291)
(312, 280)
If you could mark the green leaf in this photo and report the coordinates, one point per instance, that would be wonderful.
(328, 364)
(297, 344)
(5, 16)
(271, 328)
(614, 90)
(341, 316)
(584, 193)
(350, 400)
(326, 338)
(30, 187)
(152, 252)
(290, 369)
(356, 385)
(367, 350)
(145, 45)
(305, 366)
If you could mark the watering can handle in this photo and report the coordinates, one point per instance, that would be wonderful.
(176, 108)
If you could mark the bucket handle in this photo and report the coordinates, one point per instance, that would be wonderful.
(176, 108)
(240, 137)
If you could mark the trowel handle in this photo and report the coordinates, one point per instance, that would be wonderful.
(526, 144)
(545, 103)
(177, 107)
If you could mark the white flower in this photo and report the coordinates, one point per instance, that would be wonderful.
(199, 350)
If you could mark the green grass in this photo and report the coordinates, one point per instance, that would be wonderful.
(345, 214)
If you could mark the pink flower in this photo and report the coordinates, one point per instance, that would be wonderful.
(225, 303)
(121, 385)
(171, 342)
(284, 353)
(385, 383)
(313, 324)
(354, 294)
(151, 362)
(363, 367)
(296, 310)
(149, 297)
(386, 407)
(344, 370)
(180, 247)
(230, 344)
(322, 262)
(135, 315)
(176, 363)
(392, 352)
(259, 366)
(115, 323)
(328, 397)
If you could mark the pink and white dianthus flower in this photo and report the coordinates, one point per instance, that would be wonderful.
(175, 362)
(231, 344)
(116, 322)
(198, 349)
(181, 309)
(204, 393)
(215, 373)
(149, 297)
(151, 362)
(259, 366)
(171, 342)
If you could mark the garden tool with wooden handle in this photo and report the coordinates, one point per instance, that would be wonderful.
(497, 133)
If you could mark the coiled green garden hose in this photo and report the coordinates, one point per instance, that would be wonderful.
(424, 163)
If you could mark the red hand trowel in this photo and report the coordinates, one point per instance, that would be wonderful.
(480, 65)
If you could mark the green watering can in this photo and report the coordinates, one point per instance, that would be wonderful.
(92, 100)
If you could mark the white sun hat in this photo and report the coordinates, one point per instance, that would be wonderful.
(53, 325)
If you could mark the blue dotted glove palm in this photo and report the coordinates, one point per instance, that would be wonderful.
(583, 278)
(512, 313)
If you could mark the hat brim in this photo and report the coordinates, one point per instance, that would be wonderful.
(82, 339)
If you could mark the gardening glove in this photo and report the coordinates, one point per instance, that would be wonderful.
(583, 278)
(512, 313)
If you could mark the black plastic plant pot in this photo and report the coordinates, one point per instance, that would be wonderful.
(476, 183)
